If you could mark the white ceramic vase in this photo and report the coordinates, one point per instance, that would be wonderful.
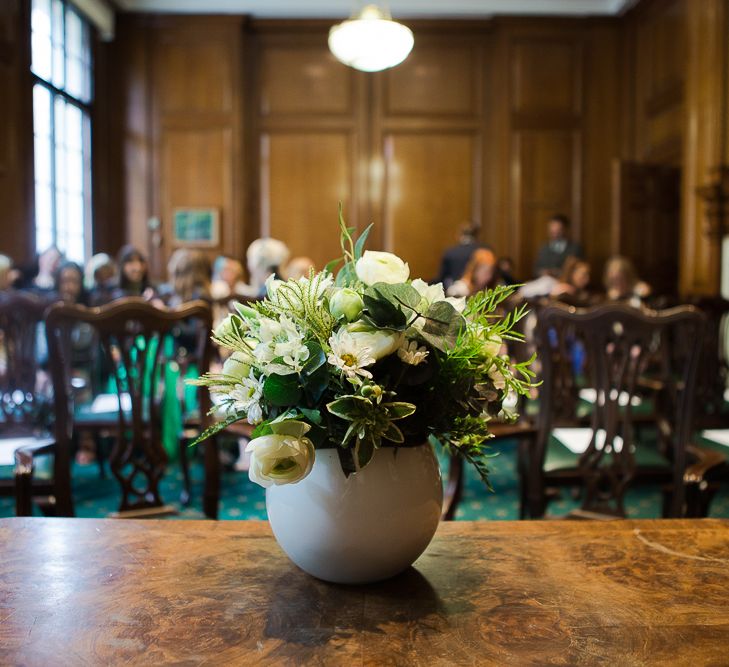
(366, 527)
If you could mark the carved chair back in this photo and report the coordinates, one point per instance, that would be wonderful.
(132, 334)
(24, 407)
(615, 344)
(713, 375)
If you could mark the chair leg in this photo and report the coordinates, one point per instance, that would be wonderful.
(186, 493)
(24, 492)
(211, 494)
(454, 488)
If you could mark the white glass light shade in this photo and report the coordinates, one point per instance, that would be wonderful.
(371, 42)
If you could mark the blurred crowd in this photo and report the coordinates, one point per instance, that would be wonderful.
(560, 270)
(190, 275)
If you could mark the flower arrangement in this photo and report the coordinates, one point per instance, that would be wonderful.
(362, 359)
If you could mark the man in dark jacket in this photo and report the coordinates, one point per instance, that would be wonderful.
(552, 254)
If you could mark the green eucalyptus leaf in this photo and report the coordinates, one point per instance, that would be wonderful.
(443, 325)
(282, 390)
(400, 294)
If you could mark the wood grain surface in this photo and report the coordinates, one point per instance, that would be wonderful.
(86, 592)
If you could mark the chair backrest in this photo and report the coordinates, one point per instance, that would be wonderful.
(713, 375)
(609, 350)
(132, 333)
(23, 407)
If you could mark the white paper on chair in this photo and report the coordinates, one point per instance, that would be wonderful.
(718, 435)
(9, 445)
(577, 440)
(110, 403)
(590, 396)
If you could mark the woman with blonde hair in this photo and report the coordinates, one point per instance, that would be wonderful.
(189, 273)
(622, 283)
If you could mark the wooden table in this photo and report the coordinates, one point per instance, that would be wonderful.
(77, 592)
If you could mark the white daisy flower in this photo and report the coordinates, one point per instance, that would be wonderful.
(411, 354)
(348, 356)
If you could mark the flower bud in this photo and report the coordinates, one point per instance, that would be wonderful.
(228, 327)
(346, 303)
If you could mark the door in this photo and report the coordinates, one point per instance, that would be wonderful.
(646, 221)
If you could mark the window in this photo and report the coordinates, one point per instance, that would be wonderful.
(62, 95)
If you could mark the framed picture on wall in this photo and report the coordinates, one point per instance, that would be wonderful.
(196, 227)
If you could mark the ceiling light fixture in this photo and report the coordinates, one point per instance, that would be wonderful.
(371, 41)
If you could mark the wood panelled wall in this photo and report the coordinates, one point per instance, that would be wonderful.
(16, 132)
(503, 122)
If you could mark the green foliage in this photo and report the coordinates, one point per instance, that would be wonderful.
(282, 390)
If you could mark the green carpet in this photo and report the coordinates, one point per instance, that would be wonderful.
(241, 499)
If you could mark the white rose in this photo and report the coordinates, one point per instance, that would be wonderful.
(381, 267)
(379, 342)
(280, 459)
(237, 366)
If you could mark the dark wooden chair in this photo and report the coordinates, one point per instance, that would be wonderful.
(711, 468)
(617, 344)
(131, 333)
(26, 408)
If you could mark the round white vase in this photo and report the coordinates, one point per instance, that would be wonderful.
(363, 528)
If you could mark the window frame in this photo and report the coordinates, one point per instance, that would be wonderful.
(86, 109)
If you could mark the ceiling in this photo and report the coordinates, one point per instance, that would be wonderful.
(398, 8)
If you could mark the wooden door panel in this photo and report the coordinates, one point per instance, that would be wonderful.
(304, 176)
(195, 78)
(434, 80)
(646, 219)
(546, 77)
(304, 80)
(429, 193)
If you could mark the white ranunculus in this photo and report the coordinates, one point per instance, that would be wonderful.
(379, 342)
(346, 303)
(237, 366)
(381, 267)
(280, 459)
(430, 294)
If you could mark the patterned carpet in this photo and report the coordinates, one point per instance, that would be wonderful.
(241, 499)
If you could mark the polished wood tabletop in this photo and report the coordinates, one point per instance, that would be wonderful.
(103, 592)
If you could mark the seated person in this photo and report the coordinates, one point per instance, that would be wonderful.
(227, 278)
(455, 259)
(133, 280)
(481, 273)
(298, 267)
(100, 279)
(621, 282)
(265, 257)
